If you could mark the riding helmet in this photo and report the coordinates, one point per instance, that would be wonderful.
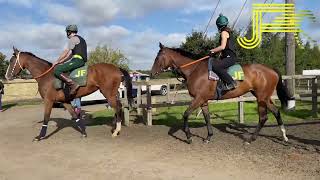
(72, 28)
(222, 21)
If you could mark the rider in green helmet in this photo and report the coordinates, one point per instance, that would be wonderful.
(228, 55)
(76, 50)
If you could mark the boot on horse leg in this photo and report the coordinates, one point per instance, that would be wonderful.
(73, 85)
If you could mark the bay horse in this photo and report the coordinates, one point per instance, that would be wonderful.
(259, 79)
(103, 76)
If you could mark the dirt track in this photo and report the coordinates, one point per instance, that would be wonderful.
(142, 152)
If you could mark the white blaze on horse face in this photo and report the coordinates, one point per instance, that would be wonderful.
(13, 68)
(6, 76)
(284, 133)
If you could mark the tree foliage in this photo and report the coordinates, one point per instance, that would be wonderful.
(104, 54)
(198, 44)
(3, 66)
(271, 51)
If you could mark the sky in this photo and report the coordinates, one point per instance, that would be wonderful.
(135, 27)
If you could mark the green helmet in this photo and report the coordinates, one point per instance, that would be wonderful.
(72, 28)
(222, 21)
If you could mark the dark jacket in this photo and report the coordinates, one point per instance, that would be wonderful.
(1, 88)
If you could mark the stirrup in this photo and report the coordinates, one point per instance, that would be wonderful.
(231, 86)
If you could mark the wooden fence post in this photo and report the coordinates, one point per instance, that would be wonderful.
(139, 99)
(149, 106)
(241, 111)
(168, 93)
(125, 109)
(314, 97)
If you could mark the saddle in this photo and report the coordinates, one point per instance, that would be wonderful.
(78, 75)
(236, 72)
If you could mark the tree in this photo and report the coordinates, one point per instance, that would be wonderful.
(104, 54)
(3, 66)
(271, 51)
(199, 45)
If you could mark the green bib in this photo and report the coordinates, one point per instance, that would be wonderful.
(78, 75)
(236, 72)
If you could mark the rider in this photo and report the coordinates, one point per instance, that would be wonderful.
(77, 47)
(228, 55)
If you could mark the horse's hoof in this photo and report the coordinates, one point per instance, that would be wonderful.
(37, 139)
(84, 136)
(247, 143)
(115, 134)
(285, 139)
(206, 141)
(189, 141)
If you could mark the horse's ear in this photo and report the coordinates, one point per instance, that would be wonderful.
(15, 50)
(161, 45)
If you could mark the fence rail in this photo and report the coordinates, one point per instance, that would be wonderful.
(145, 108)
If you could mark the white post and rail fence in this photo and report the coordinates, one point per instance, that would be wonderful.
(146, 103)
(27, 90)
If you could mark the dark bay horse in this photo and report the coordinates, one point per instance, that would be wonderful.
(105, 77)
(261, 80)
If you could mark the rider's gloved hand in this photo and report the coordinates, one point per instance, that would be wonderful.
(211, 53)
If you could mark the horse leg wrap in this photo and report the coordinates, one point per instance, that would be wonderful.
(81, 125)
(284, 133)
(43, 131)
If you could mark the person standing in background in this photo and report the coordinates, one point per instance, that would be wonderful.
(76, 104)
(1, 93)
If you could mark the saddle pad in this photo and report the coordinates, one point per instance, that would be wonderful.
(236, 72)
(78, 75)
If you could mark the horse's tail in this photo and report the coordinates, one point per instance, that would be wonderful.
(128, 82)
(282, 92)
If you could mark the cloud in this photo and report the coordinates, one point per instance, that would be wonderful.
(24, 3)
(47, 41)
(142, 48)
(44, 36)
(99, 12)
(112, 36)
(93, 12)
(138, 8)
(98, 24)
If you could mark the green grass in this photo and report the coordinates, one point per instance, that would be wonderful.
(220, 113)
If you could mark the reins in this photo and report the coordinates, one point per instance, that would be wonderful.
(46, 72)
(177, 72)
(194, 62)
(37, 77)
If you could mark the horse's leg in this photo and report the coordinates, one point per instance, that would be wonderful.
(116, 105)
(275, 111)
(194, 105)
(263, 117)
(206, 115)
(47, 111)
(78, 119)
(118, 119)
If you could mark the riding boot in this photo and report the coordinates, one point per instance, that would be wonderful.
(73, 86)
(213, 76)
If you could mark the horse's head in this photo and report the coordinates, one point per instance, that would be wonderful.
(15, 65)
(162, 62)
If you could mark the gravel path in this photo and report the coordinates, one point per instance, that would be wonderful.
(148, 153)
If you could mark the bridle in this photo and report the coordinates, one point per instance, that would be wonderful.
(15, 65)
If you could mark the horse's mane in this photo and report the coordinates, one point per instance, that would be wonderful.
(40, 59)
(185, 53)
